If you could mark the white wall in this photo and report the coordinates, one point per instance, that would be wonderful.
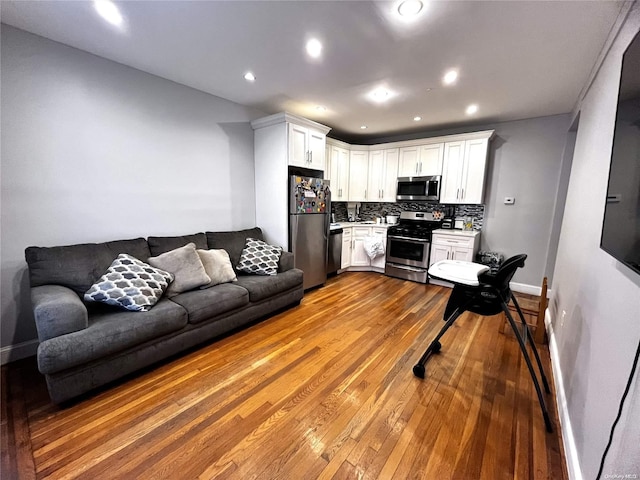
(94, 151)
(595, 307)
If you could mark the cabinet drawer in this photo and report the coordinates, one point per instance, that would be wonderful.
(380, 231)
(361, 231)
(452, 240)
(346, 232)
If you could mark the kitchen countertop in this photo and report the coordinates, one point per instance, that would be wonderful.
(363, 224)
(453, 231)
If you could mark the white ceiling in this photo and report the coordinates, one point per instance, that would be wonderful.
(516, 59)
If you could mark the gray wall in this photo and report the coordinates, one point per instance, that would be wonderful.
(525, 161)
(595, 306)
(93, 151)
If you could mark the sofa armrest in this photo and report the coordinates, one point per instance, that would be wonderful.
(286, 262)
(57, 310)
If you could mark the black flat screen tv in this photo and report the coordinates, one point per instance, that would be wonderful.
(621, 224)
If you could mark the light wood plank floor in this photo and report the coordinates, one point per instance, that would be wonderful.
(322, 390)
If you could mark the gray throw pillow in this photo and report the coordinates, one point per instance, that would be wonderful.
(259, 258)
(130, 284)
(185, 265)
(218, 266)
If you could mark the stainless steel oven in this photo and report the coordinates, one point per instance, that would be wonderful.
(408, 246)
(412, 252)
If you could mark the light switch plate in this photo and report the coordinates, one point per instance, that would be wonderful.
(509, 200)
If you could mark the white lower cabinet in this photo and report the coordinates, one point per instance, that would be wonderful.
(354, 255)
(347, 247)
(359, 257)
(454, 245)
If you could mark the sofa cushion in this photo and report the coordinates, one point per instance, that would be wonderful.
(78, 266)
(204, 304)
(130, 284)
(160, 245)
(261, 287)
(233, 242)
(109, 332)
(259, 258)
(185, 265)
(218, 266)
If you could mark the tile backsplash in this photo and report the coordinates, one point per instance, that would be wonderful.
(370, 210)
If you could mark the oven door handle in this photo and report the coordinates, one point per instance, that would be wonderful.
(410, 269)
(397, 237)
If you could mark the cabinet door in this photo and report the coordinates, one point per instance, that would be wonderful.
(408, 162)
(358, 176)
(316, 142)
(390, 175)
(343, 173)
(359, 257)
(430, 159)
(452, 172)
(346, 251)
(298, 146)
(328, 166)
(376, 170)
(460, 253)
(475, 160)
(379, 261)
(439, 252)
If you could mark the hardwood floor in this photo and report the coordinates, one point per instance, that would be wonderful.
(323, 390)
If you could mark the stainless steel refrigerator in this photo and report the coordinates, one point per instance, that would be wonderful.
(309, 221)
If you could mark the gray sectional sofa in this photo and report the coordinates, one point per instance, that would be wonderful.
(86, 345)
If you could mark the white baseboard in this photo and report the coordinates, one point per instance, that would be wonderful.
(18, 351)
(570, 451)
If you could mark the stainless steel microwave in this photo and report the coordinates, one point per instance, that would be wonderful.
(424, 189)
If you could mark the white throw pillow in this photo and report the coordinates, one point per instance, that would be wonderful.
(218, 266)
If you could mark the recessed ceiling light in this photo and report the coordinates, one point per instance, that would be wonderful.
(314, 48)
(321, 108)
(417, 119)
(108, 11)
(471, 109)
(363, 127)
(381, 94)
(409, 8)
(450, 77)
(250, 77)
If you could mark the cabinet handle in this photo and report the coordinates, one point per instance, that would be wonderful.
(457, 194)
(462, 196)
(420, 167)
(416, 168)
(365, 193)
(310, 157)
(382, 196)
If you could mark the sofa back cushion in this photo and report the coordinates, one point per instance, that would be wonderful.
(160, 245)
(233, 242)
(78, 266)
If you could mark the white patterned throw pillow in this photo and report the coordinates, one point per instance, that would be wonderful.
(130, 284)
(259, 257)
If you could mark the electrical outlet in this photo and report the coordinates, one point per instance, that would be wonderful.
(509, 200)
(564, 315)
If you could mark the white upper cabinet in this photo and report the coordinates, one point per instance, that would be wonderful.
(282, 140)
(383, 175)
(421, 160)
(306, 147)
(359, 176)
(369, 174)
(339, 174)
(464, 171)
